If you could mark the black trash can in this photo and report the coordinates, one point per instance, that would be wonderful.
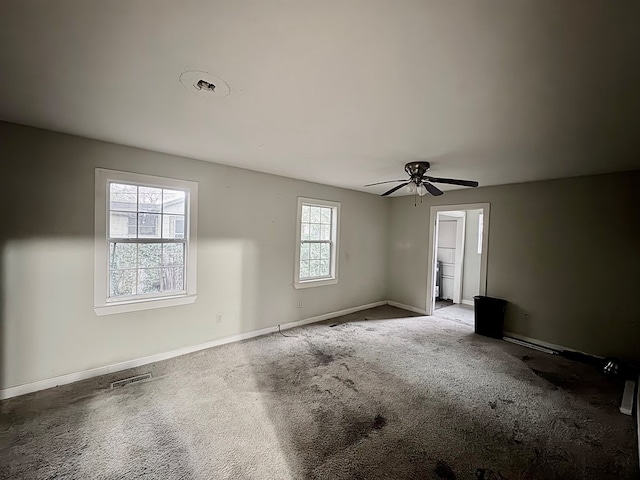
(489, 315)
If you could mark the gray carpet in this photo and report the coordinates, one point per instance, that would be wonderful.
(382, 395)
(458, 313)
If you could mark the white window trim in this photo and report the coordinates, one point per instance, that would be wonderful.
(480, 232)
(101, 304)
(335, 238)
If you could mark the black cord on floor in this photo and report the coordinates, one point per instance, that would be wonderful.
(288, 336)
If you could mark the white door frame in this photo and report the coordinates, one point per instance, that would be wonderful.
(431, 253)
(461, 217)
(457, 281)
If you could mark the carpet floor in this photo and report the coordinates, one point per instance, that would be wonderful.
(458, 313)
(383, 394)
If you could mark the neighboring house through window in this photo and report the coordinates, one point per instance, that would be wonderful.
(145, 242)
(317, 243)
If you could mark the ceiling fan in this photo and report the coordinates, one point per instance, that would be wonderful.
(420, 183)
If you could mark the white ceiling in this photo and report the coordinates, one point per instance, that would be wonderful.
(341, 92)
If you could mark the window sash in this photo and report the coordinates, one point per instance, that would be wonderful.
(330, 259)
(146, 240)
(137, 268)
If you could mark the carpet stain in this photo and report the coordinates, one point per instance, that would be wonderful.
(321, 357)
(487, 474)
(444, 471)
(379, 422)
(493, 405)
(346, 382)
(358, 430)
(526, 358)
(558, 381)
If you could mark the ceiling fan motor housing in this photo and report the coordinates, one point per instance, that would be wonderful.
(416, 170)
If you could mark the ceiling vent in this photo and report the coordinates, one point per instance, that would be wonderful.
(204, 84)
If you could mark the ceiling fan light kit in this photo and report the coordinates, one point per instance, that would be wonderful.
(416, 189)
(419, 183)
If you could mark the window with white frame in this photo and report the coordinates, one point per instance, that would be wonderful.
(145, 242)
(317, 243)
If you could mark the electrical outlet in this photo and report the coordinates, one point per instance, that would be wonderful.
(219, 318)
(299, 303)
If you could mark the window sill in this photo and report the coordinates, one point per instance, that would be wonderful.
(138, 305)
(315, 283)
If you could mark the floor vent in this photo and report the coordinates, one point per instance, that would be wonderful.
(127, 381)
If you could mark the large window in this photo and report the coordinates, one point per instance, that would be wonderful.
(145, 241)
(317, 243)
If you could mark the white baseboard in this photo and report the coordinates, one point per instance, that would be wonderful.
(547, 345)
(23, 389)
(626, 406)
(531, 345)
(339, 313)
(468, 302)
(406, 307)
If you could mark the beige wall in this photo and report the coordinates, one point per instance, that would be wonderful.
(547, 245)
(246, 244)
(550, 247)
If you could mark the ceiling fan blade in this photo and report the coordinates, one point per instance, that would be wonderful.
(395, 188)
(453, 181)
(432, 189)
(380, 183)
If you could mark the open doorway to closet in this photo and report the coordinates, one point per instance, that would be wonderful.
(457, 259)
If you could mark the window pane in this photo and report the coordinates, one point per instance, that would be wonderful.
(122, 225)
(325, 250)
(122, 255)
(304, 269)
(325, 232)
(314, 214)
(314, 251)
(305, 214)
(149, 199)
(314, 231)
(314, 268)
(324, 268)
(172, 226)
(123, 197)
(172, 254)
(149, 254)
(304, 231)
(148, 280)
(325, 216)
(122, 282)
(172, 279)
(304, 251)
(148, 225)
(173, 201)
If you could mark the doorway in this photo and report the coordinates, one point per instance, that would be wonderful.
(457, 256)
